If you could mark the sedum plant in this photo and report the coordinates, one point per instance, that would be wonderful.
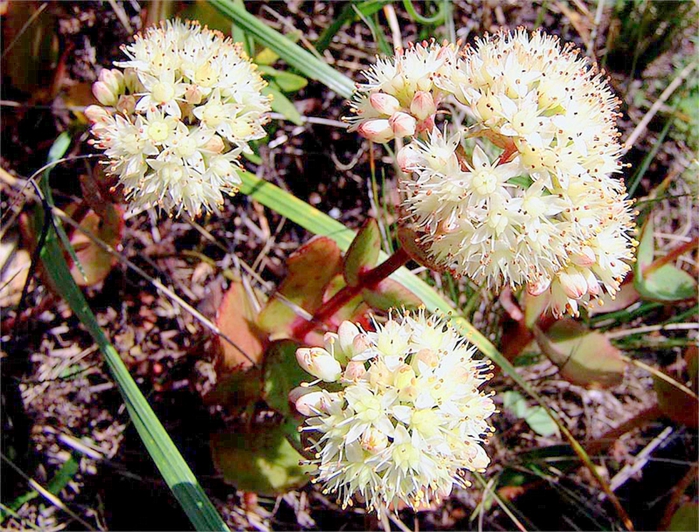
(394, 414)
(174, 121)
(523, 196)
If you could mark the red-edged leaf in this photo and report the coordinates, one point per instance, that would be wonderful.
(311, 268)
(236, 318)
(363, 253)
(584, 357)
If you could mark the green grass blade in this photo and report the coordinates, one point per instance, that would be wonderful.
(167, 458)
(319, 223)
(305, 62)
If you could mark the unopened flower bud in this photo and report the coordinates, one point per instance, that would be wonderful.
(346, 333)
(310, 404)
(378, 130)
(384, 103)
(593, 287)
(96, 113)
(360, 344)
(573, 283)
(423, 105)
(215, 144)
(113, 78)
(425, 357)
(103, 93)
(539, 286)
(355, 370)
(319, 363)
(585, 258)
(131, 81)
(193, 95)
(403, 124)
(409, 158)
(404, 376)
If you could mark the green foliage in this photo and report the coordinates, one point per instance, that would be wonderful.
(363, 253)
(584, 357)
(259, 459)
(536, 417)
(282, 374)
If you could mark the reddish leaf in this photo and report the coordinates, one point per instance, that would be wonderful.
(96, 263)
(236, 319)
(390, 294)
(311, 268)
(584, 357)
(624, 298)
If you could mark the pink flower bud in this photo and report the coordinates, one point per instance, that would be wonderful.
(423, 105)
(215, 144)
(538, 287)
(96, 113)
(114, 80)
(192, 95)
(103, 93)
(355, 370)
(309, 404)
(319, 363)
(593, 287)
(409, 158)
(384, 103)
(573, 283)
(403, 124)
(585, 258)
(376, 130)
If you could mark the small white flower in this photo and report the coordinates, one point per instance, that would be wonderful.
(403, 429)
(187, 104)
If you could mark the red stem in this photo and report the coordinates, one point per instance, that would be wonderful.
(662, 261)
(369, 279)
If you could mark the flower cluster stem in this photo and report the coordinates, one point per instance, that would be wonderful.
(369, 280)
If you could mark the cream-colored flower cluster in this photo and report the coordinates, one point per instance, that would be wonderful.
(395, 414)
(177, 117)
(524, 195)
(402, 94)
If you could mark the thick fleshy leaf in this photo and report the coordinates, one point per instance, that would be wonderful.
(390, 294)
(363, 253)
(584, 357)
(259, 460)
(536, 417)
(624, 298)
(236, 391)
(310, 269)
(282, 374)
(95, 262)
(666, 283)
(237, 320)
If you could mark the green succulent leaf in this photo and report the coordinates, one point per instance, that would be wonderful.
(363, 253)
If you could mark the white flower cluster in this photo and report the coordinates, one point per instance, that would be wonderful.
(399, 415)
(178, 116)
(530, 198)
(402, 94)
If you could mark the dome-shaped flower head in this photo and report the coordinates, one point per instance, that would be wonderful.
(186, 104)
(402, 94)
(534, 202)
(405, 417)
